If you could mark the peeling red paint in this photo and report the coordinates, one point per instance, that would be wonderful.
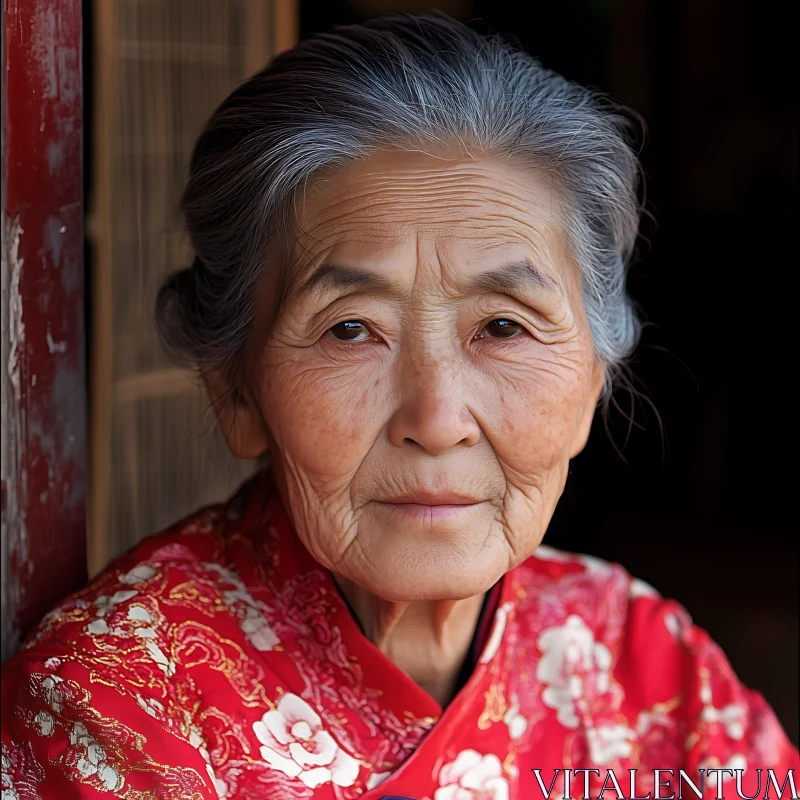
(44, 471)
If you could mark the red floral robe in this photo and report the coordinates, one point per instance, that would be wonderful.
(217, 659)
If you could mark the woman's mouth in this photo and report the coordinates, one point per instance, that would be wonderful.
(431, 507)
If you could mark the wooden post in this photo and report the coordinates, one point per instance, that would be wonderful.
(43, 381)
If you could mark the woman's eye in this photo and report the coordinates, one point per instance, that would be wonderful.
(351, 330)
(501, 329)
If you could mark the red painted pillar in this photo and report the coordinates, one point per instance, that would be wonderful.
(43, 380)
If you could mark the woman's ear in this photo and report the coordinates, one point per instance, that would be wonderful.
(238, 415)
(588, 411)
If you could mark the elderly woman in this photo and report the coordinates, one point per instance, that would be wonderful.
(409, 291)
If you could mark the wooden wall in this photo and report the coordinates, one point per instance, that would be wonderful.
(160, 70)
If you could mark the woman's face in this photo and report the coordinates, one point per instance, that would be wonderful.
(432, 347)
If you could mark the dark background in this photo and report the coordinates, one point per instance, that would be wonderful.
(700, 500)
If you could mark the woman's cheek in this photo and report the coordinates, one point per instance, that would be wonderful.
(323, 416)
(531, 422)
(524, 438)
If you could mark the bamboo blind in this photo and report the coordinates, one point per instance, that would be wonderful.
(161, 67)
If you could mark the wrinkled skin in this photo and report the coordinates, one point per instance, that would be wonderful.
(430, 394)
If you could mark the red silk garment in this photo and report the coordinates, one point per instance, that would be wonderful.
(217, 659)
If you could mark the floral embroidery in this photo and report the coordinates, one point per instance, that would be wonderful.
(93, 759)
(610, 742)
(294, 742)
(196, 740)
(516, 723)
(242, 605)
(568, 650)
(736, 761)
(45, 723)
(141, 573)
(732, 717)
(472, 776)
(21, 773)
(98, 750)
(150, 706)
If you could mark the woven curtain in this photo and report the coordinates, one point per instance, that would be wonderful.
(161, 68)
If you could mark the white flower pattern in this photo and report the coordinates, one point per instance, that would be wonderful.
(251, 617)
(295, 742)
(610, 742)
(516, 723)
(568, 650)
(472, 776)
(9, 791)
(141, 573)
(93, 761)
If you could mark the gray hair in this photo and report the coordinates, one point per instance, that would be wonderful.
(397, 81)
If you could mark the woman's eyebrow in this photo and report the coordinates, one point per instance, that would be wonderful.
(334, 276)
(513, 278)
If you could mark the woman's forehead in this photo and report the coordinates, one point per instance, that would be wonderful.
(395, 189)
(395, 205)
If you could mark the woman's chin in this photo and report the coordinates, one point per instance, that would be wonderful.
(435, 570)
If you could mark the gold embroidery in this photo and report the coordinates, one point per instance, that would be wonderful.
(199, 644)
(102, 753)
(190, 594)
(495, 707)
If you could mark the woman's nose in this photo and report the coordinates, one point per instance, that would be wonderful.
(433, 412)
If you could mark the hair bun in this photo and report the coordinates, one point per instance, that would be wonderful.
(176, 311)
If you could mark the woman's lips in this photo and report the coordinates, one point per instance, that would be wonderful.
(431, 511)
(427, 498)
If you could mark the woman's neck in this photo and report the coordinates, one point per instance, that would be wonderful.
(428, 640)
